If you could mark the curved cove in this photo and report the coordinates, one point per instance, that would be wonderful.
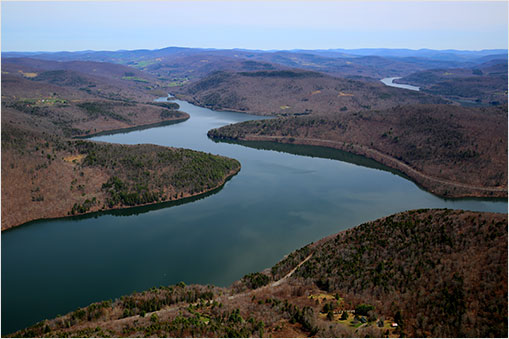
(277, 203)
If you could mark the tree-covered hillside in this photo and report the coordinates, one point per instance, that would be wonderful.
(434, 273)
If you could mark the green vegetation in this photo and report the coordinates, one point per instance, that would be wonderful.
(96, 109)
(158, 298)
(144, 63)
(146, 174)
(170, 111)
(120, 194)
(255, 280)
(178, 82)
(169, 105)
(134, 78)
(203, 317)
(133, 175)
(283, 267)
(363, 309)
(61, 77)
(84, 207)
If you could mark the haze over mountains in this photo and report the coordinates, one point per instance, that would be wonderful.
(366, 62)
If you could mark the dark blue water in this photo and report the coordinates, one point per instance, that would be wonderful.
(277, 203)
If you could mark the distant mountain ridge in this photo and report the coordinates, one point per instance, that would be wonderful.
(423, 52)
(387, 52)
(367, 63)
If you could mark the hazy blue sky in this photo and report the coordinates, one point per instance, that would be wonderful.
(54, 26)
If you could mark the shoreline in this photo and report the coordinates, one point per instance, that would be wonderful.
(440, 187)
(192, 101)
(226, 295)
(182, 199)
(133, 128)
(120, 131)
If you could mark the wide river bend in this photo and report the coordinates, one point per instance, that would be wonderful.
(278, 202)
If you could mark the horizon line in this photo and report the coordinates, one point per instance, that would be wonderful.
(260, 49)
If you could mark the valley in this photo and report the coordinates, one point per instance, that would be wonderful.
(45, 104)
(257, 154)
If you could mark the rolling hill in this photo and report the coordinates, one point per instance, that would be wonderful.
(484, 84)
(451, 151)
(46, 173)
(290, 92)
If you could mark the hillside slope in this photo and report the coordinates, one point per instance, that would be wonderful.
(47, 174)
(444, 271)
(451, 151)
(105, 80)
(288, 92)
(55, 98)
(484, 84)
(440, 273)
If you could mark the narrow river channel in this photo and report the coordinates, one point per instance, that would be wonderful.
(281, 200)
(390, 82)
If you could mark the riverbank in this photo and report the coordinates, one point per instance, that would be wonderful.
(181, 199)
(192, 100)
(307, 293)
(437, 186)
(182, 117)
(293, 93)
(292, 200)
(451, 151)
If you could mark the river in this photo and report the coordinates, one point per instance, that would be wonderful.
(390, 82)
(284, 197)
